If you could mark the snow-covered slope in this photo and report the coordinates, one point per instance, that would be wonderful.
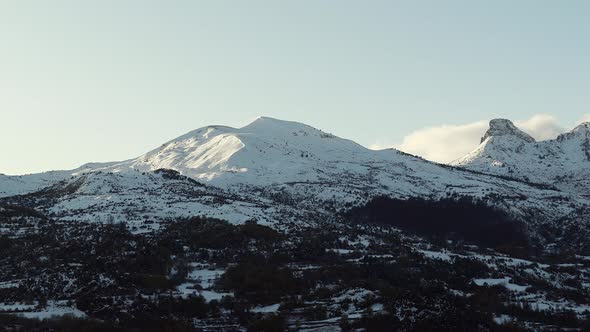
(563, 162)
(24, 184)
(276, 172)
(276, 155)
(264, 152)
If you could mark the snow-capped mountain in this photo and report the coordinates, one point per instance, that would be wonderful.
(324, 207)
(264, 152)
(274, 171)
(506, 150)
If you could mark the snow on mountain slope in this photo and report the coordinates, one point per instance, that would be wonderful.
(290, 166)
(24, 184)
(143, 199)
(276, 172)
(270, 153)
(563, 162)
(264, 152)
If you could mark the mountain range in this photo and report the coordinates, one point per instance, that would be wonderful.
(506, 150)
(280, 226)
(284, 173)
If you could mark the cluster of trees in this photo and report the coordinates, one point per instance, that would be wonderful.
(171, 174)
(262, 268)
(462, 218)
(260, 281)
(8, 211)
(72, 324)
(198, 233)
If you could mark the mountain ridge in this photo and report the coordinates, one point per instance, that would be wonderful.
(280, 173)
(563, 161)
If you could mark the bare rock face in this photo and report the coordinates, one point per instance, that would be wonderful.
(503, 127)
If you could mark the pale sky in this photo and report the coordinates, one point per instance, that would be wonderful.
(107, 80)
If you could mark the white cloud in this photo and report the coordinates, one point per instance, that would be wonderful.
(449, 142)
(445, 143)
(541, 126)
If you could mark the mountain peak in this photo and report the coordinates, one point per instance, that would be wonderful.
(582, 127)
(267, 126)
(265, 123)
(582, 131)
(505, 127)
(266, 151)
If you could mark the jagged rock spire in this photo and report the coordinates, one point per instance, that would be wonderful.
(504, 127)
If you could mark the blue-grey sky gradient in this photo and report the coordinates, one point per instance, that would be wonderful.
(107, 80)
